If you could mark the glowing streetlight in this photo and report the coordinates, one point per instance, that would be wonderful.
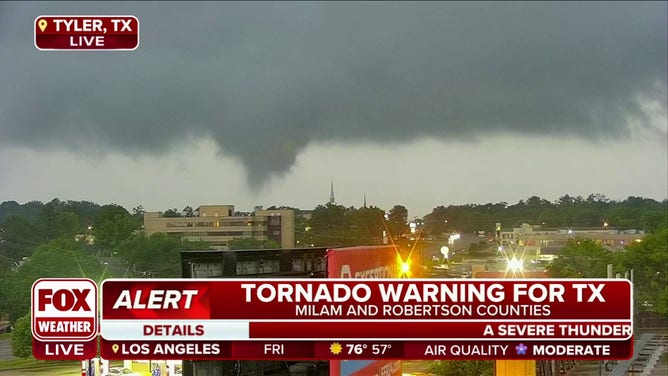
(445, 251)
(515, 265)
(405, 268)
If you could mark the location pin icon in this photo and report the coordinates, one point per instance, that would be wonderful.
(114, 347)
(42, 24)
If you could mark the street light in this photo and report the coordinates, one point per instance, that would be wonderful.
(515, 265)
(445, 251)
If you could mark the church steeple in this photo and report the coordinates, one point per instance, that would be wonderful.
(331, 193)
(365, 200)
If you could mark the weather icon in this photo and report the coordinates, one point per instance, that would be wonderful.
(335, 348)
(521, 349)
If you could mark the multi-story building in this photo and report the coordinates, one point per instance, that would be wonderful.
(218, 225)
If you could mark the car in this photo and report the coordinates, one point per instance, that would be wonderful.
(118, 371)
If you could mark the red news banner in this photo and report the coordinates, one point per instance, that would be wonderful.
(86, 32)
(367, 319)
(334, 319)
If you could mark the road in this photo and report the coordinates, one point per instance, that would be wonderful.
(5, 349)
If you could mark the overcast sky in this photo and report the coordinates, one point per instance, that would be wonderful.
(419, 104)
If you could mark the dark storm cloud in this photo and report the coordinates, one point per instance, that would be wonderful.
(265, 79)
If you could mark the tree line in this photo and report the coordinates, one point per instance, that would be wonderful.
(333, 224)
(567, 211)
(337, 225)
(55, 239)
(647, 258)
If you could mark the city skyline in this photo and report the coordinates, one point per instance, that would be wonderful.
(417, 104)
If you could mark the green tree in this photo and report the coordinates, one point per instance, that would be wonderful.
(8, 209)
(6, 265)
(113, 225)
(252, 243)
(662, 302)
(138, 212)
(397, 221)
(15, 295)
(85, 210)
(649, 261)
(336, 225)
(436, 223)
(188, 211)
(271, 244)
(566, 200)
(655, 220)
(60, 258)
(19, 237)
(581, 258)
(328, 226)
(597, 199)
(567, 210)
(303, 236)
(66, 225)
(463, 368)
(48, 218)
(535, 202)
(22, 338)
(365, 226)
(157, 255)
(171, 213)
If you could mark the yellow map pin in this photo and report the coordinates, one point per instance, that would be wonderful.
(114, 348)
(42, 24)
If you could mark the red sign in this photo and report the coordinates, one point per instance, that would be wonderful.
(377, 319)
(86, 32)
(363, 262)
(64, 350)
(336, 319)
(64, 309)
(369, 299)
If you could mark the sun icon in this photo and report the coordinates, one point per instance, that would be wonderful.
(335, 348)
